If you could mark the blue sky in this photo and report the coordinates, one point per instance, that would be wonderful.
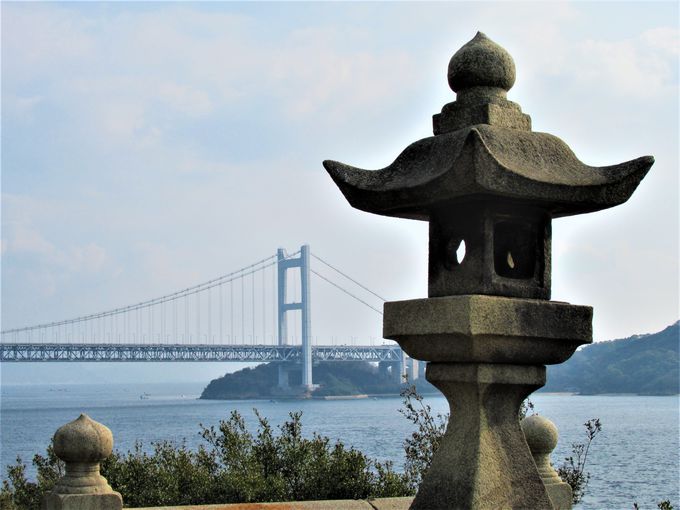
(150, 146)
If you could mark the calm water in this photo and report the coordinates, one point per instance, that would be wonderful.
(634, 459)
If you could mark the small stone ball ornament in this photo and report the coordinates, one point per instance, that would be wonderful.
(82, 444)
(541, 435)
(481, 63)
(83, 440)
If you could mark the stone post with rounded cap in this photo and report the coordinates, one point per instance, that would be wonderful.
(541, 435)
(487, 183)
(82, 444)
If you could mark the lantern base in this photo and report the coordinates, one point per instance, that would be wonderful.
(483, 461)
(486, 354)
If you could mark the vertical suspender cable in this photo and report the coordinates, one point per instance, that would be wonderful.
(198, 317)
(243, 310)
(231, 306)
(252, 285)
(221, 305)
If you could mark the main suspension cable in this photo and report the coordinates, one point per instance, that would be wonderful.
(346, 292)
(348, 277)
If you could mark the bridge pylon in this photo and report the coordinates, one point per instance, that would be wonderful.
(304, 305)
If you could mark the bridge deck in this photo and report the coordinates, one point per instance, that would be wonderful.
(19, 352)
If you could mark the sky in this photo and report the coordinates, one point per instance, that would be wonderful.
(147, 147)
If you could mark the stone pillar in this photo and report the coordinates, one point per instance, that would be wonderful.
(82, 444)
(486, 354)
(541, 436)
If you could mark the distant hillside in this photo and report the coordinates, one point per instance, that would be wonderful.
(641, 364)
(333, 378)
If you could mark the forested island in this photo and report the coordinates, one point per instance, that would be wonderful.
(641, 364)
(334, 378)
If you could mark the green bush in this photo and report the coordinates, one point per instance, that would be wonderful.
(573, 469)
(233, 466)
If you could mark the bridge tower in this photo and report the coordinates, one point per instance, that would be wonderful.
(304, 305)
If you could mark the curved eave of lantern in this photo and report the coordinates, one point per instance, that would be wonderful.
(481, 162)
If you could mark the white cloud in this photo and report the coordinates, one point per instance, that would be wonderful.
(629, 67)
(24, 225)
(40, 39)
(663, 38)
(90, 258)
(22, 107)
(25, 240)
(188, 100)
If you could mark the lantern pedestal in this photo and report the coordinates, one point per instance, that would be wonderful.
(486, 354)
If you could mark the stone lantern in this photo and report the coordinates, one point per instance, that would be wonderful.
(485, 181)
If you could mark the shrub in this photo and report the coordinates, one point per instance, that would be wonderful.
(232, 466)
(573, 470)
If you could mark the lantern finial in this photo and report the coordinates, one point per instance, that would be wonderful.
(481, 63)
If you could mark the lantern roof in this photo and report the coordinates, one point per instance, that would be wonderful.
(483, 149)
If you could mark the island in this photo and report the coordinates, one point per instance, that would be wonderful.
(641, 365)
(332, 379)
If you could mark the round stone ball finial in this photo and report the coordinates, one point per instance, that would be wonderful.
(541, 434)
(83, 441)
(481, 63)
(82, 444)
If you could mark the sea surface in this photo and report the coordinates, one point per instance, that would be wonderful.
(634, 459)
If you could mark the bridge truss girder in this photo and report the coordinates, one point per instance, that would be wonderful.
(27, 352)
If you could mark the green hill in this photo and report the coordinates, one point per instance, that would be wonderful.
(333, 378)
(641, 364)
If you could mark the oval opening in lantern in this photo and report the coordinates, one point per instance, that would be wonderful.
(460, 251)
(511, 261)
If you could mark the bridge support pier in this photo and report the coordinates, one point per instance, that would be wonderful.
(403, 367)
(384, 369)
(283, 377)
(414, 366)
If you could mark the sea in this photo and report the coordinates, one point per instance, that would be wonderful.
(635, 459)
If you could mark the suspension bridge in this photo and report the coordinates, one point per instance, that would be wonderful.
(240, 316)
